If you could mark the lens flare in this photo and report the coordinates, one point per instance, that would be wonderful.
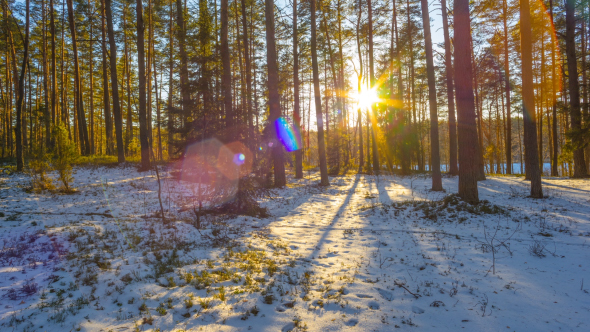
(239, 159)
(211, 170)
(234, 160)
(366, 98)
(288, 134)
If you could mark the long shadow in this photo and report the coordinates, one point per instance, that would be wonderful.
(341, 209)
(545, 183)
(564, 187)
(299, 196)
(580, 213)
(382, 190)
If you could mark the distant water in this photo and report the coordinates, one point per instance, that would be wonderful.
(515, 168)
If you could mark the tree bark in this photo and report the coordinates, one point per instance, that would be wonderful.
(574, 89)
(47, 111)
(248, 73)
(296, 115)
(108, 122)
(170, 85)
(553, 98)
(528, 100)
(481, 175)
(336, 135)
(273, 91)
(80, 116)
(158, 112)
(21, 95)
(507, 92)
(115, 84)
(318, 99)
(373, 117)
(467, 132)
(127, 71)
(453, 169)
(225, 62)
(54, 118)
(181, 35)
(360, 78)
(432, 102)
(343, 114)
(91, 74)
(143, 125)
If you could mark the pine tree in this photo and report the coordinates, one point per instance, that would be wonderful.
(466, 130)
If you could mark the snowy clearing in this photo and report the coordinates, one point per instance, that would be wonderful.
(365, 254)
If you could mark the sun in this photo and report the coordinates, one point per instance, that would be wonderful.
(366, 98)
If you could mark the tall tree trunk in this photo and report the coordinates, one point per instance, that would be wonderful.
(64, 112)
(248, 73)
(143, 126)
(507, 91)
(296, 115)
(402, 118)
(127, 71)
(360, 79)
(108, 122)
(318, 99)
(373, 117)
(574, 90)
(273, 91)
(4, 121)
(432, 102)
(80, 116)
(21, 95)
(47, 112)
(453, 170)
(585, 118)
(54, 118)
(170, 85)
(413, 128)
(336, 87)
(553, 97)
(542, 97)
(181, 35)
(343, 115)
(158, 111)
(528, 98)
(91, 74)
(148, 78)
(226, 65)
(481, 175)
(115, 84)
(467, 132)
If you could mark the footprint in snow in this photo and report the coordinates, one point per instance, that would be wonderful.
(284, 306)
(288, 327)
(385, 294)
(351, 322)
(417, 310)
(364, 296)
(374, 305)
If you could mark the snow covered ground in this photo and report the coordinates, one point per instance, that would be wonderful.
(365, 254)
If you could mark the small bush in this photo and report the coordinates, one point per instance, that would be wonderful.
(38, 167)
(161, 310)
(65, 154)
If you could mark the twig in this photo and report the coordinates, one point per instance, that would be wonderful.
(400, 285)
(160, 194)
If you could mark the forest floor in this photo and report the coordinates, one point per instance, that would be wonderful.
(366, 253)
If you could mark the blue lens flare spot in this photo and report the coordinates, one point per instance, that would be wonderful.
(239, 158)
(288, 134)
